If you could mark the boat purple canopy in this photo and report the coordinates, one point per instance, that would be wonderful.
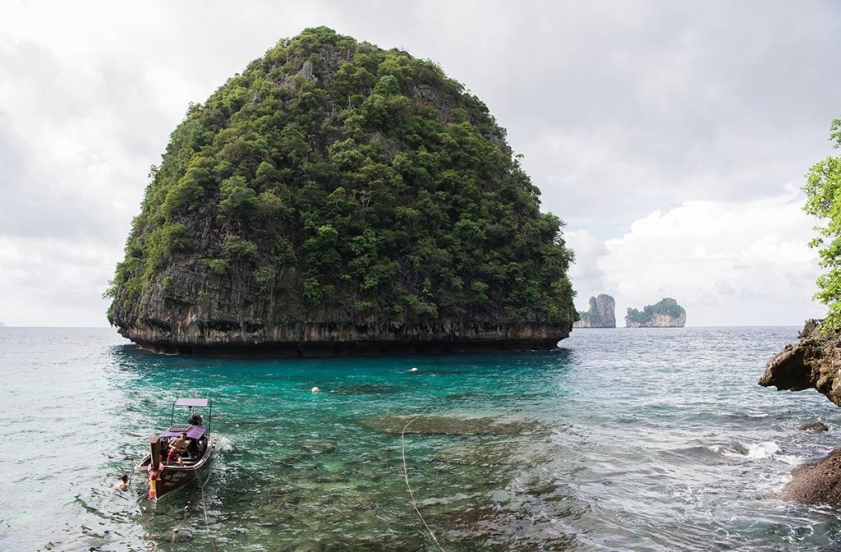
(191, 401)
(195, 432)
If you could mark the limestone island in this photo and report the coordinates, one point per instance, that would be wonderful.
(338, 198)
(811, 363)
(664, 314)
(602, 313)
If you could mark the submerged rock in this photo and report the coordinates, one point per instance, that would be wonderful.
(528, 516)
(446, 425)
(364, 389)
(476, 456)
(316, 446)
(814, 426)
(500, 452)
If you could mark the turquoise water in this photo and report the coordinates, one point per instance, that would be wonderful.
(620, 440)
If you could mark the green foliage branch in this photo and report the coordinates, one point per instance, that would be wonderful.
(823, 200)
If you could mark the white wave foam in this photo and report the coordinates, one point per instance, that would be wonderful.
(762, 450)
(789, 459)
(757, 451)
(754, 451)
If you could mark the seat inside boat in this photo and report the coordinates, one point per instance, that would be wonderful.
(196, 444)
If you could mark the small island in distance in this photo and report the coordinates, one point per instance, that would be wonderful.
(664, 314)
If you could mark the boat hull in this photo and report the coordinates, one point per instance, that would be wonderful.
(174, 476)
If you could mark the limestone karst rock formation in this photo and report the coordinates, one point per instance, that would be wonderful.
(666, 313)
(337, 198)
(601, 314)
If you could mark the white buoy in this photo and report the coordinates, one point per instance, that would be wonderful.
(315, 389)
(413, 370)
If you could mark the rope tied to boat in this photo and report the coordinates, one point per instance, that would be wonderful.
(406, 477)
(204, 508)
(178, 527)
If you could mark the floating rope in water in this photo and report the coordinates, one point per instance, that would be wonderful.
(409, 487)
(178, 527)
(204, 507)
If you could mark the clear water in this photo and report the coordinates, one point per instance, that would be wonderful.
(623, 439)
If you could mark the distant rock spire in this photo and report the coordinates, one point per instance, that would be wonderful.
(602, 313)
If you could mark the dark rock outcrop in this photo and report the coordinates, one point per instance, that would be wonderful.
(814, 426)
(601, 314)
(234, 321)
(811, 363)
(816, 482)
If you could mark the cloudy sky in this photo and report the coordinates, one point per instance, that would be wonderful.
(672, 137)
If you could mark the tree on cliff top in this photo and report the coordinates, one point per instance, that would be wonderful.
(823, 200)
(334, 176)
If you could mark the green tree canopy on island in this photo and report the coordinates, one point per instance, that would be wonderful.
(667, 306)
(334, 176)
(823, 200)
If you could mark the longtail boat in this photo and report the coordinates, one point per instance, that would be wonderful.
(179, 454)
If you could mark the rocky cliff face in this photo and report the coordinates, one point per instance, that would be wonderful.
(666, 313)
(601, 314)
(814, 362)
(658, 321)
(338, 198)
(199, 312)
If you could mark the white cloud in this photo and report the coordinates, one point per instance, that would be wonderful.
(54, 282)
(740, 263)
(619, 109)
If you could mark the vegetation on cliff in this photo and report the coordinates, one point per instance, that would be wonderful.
(332, 176)
(664, 307)
(823, 200)
(590, 320)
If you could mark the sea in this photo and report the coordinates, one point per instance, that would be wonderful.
(621, 439)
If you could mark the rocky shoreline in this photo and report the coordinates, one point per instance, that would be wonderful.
(189, 336)
(814, 362)
(345, 348)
